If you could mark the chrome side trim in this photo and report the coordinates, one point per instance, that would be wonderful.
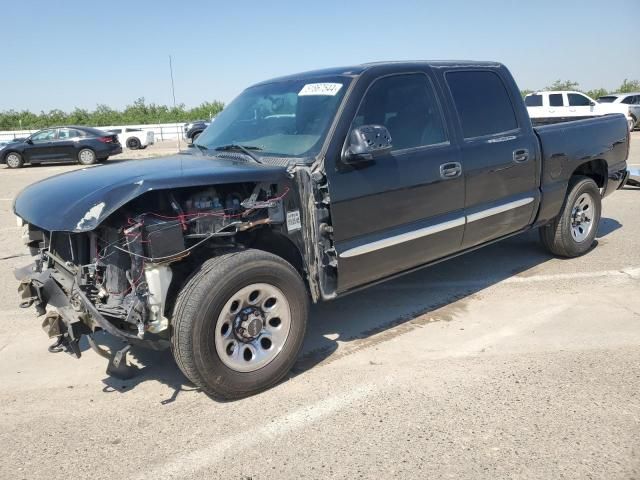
(499, 209)
(440, 227)
(403, 237)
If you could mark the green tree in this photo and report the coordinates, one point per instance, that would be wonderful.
(563, 85)
(629, 86)
(597, 92)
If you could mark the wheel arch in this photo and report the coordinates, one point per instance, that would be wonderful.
(596, 169)
(3, 157)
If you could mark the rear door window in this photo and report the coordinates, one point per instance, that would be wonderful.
(555, 100)
(482, 102)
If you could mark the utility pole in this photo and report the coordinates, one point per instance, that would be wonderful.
(173, 93)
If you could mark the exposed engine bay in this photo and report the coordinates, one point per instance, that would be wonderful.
(117, 277)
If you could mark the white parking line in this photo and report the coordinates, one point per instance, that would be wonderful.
(630, 272)
(188, 465)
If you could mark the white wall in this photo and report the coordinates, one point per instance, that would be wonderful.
(161, 131)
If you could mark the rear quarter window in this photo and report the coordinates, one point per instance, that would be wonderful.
(482, 102)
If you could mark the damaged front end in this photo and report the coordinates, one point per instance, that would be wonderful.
(121, 276)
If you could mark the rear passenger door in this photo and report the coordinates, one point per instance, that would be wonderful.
(499, 153)
(556, 105)
(66, 145)
(398, 211)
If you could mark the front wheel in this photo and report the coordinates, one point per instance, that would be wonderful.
(572, 233)
(239, 323)
(14, 160)
(86, 156)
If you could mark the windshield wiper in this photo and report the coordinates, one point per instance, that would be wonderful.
(243, 148)
(201, 147)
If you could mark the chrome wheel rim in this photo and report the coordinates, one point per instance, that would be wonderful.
(13, 160)
(582, 217)
(86, 156)
(252, 327)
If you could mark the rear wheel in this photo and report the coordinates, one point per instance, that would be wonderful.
(14, 160)
(239, 323)
(86, 156)
(133, 143)
(572, 233)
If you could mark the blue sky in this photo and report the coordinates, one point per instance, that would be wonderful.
(81, 53)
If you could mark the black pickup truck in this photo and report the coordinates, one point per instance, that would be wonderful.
(305, 188)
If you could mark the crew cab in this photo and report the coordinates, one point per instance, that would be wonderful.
(562, 106)
(305, 188)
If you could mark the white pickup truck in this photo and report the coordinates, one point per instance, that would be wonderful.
(134, 138)
(562, 106)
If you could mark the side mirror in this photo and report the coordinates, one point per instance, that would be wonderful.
(592, 103)
(366, 143)
(29, 141)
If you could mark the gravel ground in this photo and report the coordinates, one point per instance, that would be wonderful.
(504, 363)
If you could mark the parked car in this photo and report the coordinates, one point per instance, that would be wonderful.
(630, 99)
(562, 106)
(134, 138)
(382, 169)
(62, 144)
(192, 130)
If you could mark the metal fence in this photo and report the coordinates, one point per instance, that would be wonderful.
(161, 131)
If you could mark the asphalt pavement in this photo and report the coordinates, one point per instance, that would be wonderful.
(503, 363)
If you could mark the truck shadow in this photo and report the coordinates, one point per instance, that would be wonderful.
(350, 323)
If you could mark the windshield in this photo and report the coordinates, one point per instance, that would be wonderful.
(287, 118)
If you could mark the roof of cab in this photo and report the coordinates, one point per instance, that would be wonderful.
(356, 70)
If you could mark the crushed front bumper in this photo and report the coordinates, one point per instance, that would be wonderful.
(74, 315)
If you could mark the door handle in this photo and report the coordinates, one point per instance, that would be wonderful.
(450, 170)
(521, 155)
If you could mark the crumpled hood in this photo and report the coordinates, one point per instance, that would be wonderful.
(79, 201)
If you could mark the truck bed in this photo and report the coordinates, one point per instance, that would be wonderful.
(563, 149)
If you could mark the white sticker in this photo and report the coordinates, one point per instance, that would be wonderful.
(293, 221)
(320, 89)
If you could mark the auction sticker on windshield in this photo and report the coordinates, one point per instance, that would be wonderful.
(320, 89)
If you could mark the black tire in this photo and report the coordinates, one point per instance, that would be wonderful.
(86, 156)
(199, 305)
(557, 236)
(14, 160)
(195, 136)
(133, 143)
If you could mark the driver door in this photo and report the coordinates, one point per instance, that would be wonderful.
(402, 209)
(41, 146)
(580, 106)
